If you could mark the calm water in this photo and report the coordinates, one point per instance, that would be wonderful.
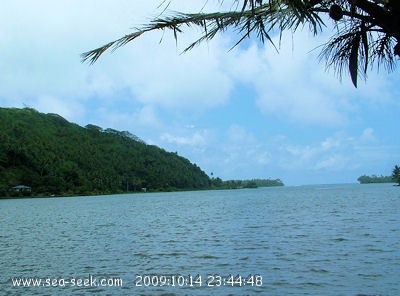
(308, 240)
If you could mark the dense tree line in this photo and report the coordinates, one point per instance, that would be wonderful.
(53, 156)
(238, 184)
(374, 179)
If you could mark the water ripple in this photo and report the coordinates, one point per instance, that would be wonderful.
(330, 240)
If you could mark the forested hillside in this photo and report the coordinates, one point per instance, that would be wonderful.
(53, 156)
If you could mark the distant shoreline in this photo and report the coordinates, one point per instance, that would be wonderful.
(194, 190)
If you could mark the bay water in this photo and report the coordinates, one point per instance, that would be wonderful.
(305, 240)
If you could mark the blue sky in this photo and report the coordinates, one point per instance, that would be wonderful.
(240, 114)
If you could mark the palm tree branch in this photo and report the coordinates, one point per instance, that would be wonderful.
(262, 18)
(358, 45)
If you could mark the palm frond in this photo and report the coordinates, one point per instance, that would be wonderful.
(254, 17)
(367, 30)
(358, 45)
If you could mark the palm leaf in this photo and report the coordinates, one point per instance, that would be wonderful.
(253, 17)
(353, 59)
(366, 24)
(364, 39)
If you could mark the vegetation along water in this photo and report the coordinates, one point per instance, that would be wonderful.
(44, 154)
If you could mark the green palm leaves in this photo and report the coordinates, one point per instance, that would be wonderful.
(366, 31)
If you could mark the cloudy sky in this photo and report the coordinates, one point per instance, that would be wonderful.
(239, 114)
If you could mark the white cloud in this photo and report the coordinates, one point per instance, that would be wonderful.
(163, 97)
(195, 79)
(368, 135)
(237, 133)
(198, 138)
(288, 85)
(40, 51)
(42, 47)
(144, 122)
(67, 108)
(294, 86)
(148, 117)
(335, 153)
(335, 162)
(330, 143)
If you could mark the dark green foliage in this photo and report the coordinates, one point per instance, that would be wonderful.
(374, 179)
(54, 156)
(238, 184)
(396, 174)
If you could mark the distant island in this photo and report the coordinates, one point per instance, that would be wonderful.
(240, 184)
(375, 179)
(45, 155)
(394, 178)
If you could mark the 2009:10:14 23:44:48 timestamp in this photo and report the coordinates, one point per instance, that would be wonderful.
(210, 280)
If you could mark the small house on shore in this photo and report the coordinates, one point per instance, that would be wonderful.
(22, 188)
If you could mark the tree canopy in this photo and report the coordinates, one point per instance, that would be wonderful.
(364, 179)
(44, 154)
(367, 32)
(396, 174)
(53, 156)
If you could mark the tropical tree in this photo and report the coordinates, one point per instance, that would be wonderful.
(396, 174)
(366, 32)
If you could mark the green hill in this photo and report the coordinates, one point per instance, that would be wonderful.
(53, 156)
